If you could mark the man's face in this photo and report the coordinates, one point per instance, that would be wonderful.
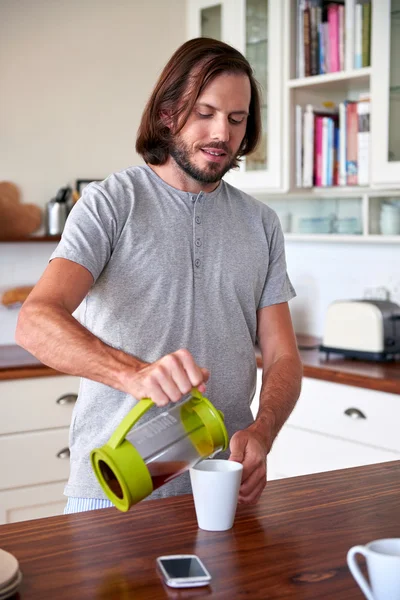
(206, 148)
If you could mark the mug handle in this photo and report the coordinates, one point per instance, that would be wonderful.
(355, 570)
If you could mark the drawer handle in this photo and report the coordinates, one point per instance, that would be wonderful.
(67, 399)
(354, 413)
(64, 453)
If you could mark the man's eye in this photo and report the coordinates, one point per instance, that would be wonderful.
(236, 121)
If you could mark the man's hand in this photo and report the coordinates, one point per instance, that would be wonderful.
(248, 448)
(167, 379)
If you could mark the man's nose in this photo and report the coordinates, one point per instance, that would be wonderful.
(221, 130)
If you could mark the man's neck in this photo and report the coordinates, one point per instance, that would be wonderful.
(175, 177)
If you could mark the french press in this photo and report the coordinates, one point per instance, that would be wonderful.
(132, 464)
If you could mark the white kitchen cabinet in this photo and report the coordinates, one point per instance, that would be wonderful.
(35, 414)
(33, 502)
(300, 452)
(385, 94)
(255, 28)
(334, 426)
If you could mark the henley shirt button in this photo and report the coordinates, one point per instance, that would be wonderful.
(198, 242)
(193, 198)
(197, 262)
(198, 220)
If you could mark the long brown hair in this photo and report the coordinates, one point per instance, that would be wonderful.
(190, 69)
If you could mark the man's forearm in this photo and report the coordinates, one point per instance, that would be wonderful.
(279, 393)
(58, 340)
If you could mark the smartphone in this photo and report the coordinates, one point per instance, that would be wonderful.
(183, 570)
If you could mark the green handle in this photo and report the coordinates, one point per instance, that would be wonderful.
(128, 422)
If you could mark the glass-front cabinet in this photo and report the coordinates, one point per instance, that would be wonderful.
(385, 86)
(255, 28)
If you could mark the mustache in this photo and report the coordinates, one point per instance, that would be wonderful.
(217, 145)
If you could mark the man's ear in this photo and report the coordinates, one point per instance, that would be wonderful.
(166, 118)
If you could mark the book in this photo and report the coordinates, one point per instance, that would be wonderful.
(366, 34)
(349, 34)
(358, 36)
(299, 145)
(352, 143)
(342, 144)
(308, 146)
(363, 111)
(333, 23)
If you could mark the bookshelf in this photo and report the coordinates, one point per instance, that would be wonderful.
(353, 207)
(377, 79)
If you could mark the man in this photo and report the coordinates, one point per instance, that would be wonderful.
(178, 273)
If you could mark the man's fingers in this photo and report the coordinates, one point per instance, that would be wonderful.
(195, 374)
(169, 378)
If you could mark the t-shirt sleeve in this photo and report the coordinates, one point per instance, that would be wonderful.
(90, 231)
(277, 286)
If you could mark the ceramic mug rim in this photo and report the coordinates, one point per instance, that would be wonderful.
(229, 466)
(374, 547)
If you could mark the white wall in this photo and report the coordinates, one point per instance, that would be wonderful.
(75, 76)
(324, 272)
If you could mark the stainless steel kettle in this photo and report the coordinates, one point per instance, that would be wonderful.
(57, 210)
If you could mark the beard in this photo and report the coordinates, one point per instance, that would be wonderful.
(213, 173)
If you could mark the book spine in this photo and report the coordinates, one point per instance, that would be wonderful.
(327, 48)
(352, 144)
(321, 46)
(363, 111)
(333, 23)
(341, 38)
(349, 35)
(342, 144)
(307, 42)
(358, 37)
(300, 39)
(331, 144)
(325, 151)
(308, 146)
(318, 169)
(313, 41)
(366, 34)
(336, 150)
(299, 145)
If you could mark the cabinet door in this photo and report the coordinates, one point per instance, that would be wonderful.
(255, 27)
(366, 416)
(299, 452)
(33, 502)
(385, 93)
(37, 403)
(214, 18)
(34, 458)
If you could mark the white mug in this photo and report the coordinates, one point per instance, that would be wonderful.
(383, 563)
(215, 486)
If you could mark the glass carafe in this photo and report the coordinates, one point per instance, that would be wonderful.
(135, 462)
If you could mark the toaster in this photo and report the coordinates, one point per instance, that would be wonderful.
(366, 329)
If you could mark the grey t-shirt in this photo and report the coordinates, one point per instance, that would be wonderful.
(171, 270)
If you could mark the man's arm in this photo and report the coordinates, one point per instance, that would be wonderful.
(47, 329)
(281, 383)
(282, 370)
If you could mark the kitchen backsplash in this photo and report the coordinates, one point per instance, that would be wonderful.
(320, 273)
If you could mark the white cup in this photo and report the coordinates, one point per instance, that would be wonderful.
(215, 486)
(383, 564)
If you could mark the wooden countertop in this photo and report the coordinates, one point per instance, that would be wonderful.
(292, 544)
(16, 363)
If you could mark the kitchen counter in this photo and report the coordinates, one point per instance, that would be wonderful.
(384, 377)
(16, 363)
(292, 544)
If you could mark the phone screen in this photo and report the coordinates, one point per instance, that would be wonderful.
(183, 567)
